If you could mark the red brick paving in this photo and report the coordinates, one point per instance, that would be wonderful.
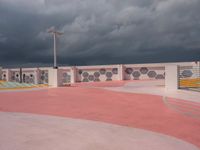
(134, 110)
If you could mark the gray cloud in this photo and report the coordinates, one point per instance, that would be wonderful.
(100, 32)
(2, 38)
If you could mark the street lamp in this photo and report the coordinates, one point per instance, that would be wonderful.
(55, 35)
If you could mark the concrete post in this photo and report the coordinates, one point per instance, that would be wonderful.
(53, 77)
(171, 77)
(73, 74)
(121, 72)
(37, 76)
(8, 75)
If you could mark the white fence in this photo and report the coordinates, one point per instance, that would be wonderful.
(89, 73)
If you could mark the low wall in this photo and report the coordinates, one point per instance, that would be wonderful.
(29, 75)
(94, 73)
(1, 73)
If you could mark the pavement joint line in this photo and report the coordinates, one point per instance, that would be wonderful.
(167, 103)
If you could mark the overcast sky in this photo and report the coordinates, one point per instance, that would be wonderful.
(99, 31)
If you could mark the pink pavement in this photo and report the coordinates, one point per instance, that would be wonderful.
(134, 110)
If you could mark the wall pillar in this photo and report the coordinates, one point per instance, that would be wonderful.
(38, 78)
(53, 77)
(8, 75)
(171, 77)
(73, 74)
(121, 72)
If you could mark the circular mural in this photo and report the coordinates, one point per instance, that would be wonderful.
(97, 74)
(136, 74)
(187, 73)
(152, 74)
(160, 76)
(115, 70)
(91, 77)
(109, 74)
(128, 70)
(144, 70)
(102, 71)
(85, 74)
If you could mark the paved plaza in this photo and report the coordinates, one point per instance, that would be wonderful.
(105, 115)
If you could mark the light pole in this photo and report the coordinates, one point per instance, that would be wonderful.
(55, 35)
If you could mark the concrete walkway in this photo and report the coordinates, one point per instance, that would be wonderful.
(20, 131)
(156, 88)
(147, 112)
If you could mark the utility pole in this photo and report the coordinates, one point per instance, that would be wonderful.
(55, 36)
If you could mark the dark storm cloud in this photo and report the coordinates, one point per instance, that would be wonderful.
(100, 31)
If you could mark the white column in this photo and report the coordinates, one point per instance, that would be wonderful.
(121, 72)
(53, 77)
(171, 77)
(8, 75)
(37, 76)
(73, 74)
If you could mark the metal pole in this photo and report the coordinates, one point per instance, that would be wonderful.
(55, 51)
(55, 35)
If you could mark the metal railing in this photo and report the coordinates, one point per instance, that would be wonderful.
(189, 77)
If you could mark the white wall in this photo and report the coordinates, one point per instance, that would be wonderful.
(53, 77)
(171, 77)
(46, 75)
